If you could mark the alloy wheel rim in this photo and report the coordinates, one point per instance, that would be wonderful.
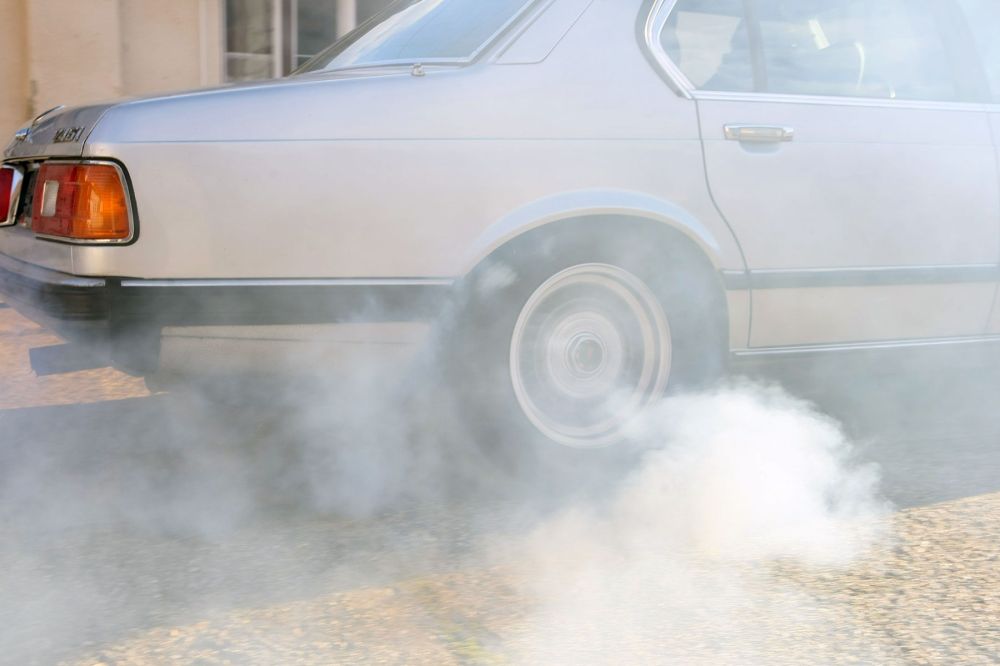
(590, 350)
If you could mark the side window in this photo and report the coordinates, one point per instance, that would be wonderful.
(889, 49)
(707, 40)
(983, 18)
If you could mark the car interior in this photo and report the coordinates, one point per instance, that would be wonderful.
(888, 50)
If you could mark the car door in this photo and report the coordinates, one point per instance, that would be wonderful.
(848, 146)
(983, 18)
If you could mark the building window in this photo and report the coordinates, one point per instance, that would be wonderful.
(250, 52)
(315, 28)
(270, 38)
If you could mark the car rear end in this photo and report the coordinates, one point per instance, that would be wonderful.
(178, 296)
(54, 204)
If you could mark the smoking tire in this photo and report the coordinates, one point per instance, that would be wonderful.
(561, 345)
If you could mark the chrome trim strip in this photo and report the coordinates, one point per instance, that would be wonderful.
(10, 215)
(128, 196)
(291, 282)
(827, 100)
(759, 133)
(655, 22)
(47, 275)
(859, 276)
(865, 346)
(41, 115)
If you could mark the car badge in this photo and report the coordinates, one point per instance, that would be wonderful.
(68, 135)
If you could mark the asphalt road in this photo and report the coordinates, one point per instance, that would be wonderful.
(352, 523)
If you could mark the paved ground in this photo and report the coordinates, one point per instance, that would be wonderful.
(149, 529)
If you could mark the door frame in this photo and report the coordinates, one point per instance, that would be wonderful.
(973, 84)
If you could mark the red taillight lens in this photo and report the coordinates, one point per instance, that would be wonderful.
(81, 202)
(6, 194)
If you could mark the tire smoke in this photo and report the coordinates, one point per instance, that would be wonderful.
(737, 482)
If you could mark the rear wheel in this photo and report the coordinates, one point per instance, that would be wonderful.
(559, 356)
(590, 349)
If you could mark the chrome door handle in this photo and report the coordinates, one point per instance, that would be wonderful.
(759, 133)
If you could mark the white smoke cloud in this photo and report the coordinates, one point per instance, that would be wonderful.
(677, 565)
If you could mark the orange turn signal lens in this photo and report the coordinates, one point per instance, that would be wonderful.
(84, 202)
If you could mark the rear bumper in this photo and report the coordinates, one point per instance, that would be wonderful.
(53, 294)
(126, 319)
(77, 308)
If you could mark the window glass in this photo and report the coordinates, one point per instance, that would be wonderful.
(422, 31)
(891, 49)
(707, 40)
(315, 28)
(984, 20)
(863, 48)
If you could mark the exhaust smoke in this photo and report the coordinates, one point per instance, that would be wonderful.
(356, 516)
(681, 562)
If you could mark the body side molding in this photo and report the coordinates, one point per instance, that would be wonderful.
(880, 345)
(859, 277)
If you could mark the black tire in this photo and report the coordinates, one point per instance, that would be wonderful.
(498, 401)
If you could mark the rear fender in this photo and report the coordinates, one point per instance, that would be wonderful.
(592, 203)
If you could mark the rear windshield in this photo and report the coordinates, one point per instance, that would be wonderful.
(424, 31)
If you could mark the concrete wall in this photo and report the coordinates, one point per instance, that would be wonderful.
(79, 51)
(74, 52)
(170, 45)
(13, 67)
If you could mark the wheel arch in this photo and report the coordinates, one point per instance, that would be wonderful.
(612, 205)
(651, 219)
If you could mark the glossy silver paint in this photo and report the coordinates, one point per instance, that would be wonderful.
(43, 275)
(887, 211)
(378, 175)
(476, 146)
(38, 138)
(909, 184)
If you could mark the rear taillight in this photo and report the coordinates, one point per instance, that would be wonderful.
(84, 202)
(10, 188)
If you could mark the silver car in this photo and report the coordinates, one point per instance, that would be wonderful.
(606, 200)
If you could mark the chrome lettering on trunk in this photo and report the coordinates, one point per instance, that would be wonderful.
(68, 135)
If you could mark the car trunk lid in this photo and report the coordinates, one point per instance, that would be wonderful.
(59, 132)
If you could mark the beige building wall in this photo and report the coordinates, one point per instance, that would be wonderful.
(74, 52)
(170, 45)
(13, 66)
(78, 51)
